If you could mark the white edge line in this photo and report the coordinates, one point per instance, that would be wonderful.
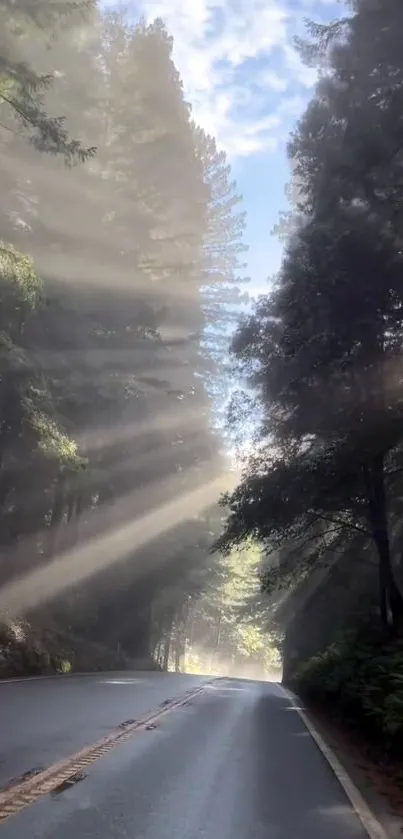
(360, 806)
(74, 674)
(45, 676)
(101, 674)
(14, 679)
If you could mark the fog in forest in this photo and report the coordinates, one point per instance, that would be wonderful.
(194, 477)
(123, 276)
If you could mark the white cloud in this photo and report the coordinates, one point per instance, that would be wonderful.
(271, 80)
(238, 66)
(292, 62)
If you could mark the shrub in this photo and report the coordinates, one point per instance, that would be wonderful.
(363, 680)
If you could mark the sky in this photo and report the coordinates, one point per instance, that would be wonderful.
(247, 87)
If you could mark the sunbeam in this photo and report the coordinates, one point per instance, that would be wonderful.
(77, 565)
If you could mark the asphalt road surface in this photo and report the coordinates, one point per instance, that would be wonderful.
(236, 762)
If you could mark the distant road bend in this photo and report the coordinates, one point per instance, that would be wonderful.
(235, 761)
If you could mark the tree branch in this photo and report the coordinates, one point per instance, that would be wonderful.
(341, 523)
(11, 130)
(17, 108)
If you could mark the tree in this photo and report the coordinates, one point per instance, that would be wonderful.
(322, 349)
(223, 267)
(124, 247)
(228, 624)
(22, 88)
(153, 225)
(32, 440)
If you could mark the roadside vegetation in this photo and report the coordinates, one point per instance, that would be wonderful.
(27, 650)
(358, 680)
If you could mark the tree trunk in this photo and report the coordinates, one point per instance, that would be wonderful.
(178, 653)
(167, 647)
(74, 503)
(157, 651)
(391, 599)
(56, 517)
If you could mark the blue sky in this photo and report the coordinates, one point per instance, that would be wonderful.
(247, 86)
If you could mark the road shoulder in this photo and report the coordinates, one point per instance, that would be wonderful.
(375, 797)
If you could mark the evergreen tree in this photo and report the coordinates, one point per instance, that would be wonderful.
(122, 244)
(22, 87)
(322, 347)
(223, 277)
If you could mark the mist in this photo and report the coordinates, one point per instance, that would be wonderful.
(122, 262)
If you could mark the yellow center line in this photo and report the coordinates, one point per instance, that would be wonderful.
(26, 792)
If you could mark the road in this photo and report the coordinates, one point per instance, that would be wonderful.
(235, 762)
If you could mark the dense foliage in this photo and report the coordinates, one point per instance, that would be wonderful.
(322, 353)
(110, 330)
(362, 678)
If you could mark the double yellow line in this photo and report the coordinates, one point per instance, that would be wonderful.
(26, 792)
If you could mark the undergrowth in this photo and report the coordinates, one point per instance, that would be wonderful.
(360, 678)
